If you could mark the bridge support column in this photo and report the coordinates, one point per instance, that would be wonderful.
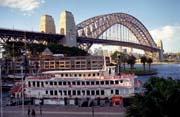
(68, 28)
(160, 46)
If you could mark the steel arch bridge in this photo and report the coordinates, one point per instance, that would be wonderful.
(90, 30)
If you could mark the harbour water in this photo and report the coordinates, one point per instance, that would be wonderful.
(163, 70)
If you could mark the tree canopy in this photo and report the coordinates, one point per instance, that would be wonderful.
(15, 49)
(161, 99)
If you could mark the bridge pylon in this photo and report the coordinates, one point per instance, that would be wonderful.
(68, 28)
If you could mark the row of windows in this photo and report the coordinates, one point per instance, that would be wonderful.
(83, 92)
(73, 83)
(80, 75)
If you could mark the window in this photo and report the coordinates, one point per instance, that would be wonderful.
(78, 92)
(69, 92)
(42, 84)
(55, 83)
(60, 92)
(29, 84)
(87, 83)
(65, 92)
(74, 83)
(88, 92)
(121, 81)
(83, 83)
(46, 92)
(55, 92)
(89, 74)
(117, 92)
(102, 82)
(75, 75)
(107, 82)
(112, 91)
(97, 82)
(37, 84)
(51, 83)
(64, 82)
(92, 82)
(69, 83)
(97, 92)
(78, 82)
(51, 92)
(102, 92)
(60, 83)
(92, 92)
(74, 92)
(93, 74)
(33, 83)
(116, 82)
(62, 75)
(46, 82)
(111, 82)
(66, 75)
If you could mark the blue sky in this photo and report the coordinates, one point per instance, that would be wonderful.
(161, 17)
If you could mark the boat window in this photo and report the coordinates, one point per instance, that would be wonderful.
(74, 92)
(87, 83)
(88, 92)
(112, 82)
(42, 84)
(102, 92)
(78, 82)
(37, 83)
(121, 81)
(69, 92)
(93, 74)
(33, 83)
(107, 82)
(112, 91)
(62, 75)
(84, 75)
(79, 75)
(55, 92)
(83, 92)
(55, 83)
(51, 92)
(83, 83)
(46, 92)
(60, 92)
(46, 82)
(97, 74)
(29, 84)
(64, 82)
(51, 83)
(116, 82)
(75, 75)
(92, 92)
(102, 82)
(69, 83)
(78, 92)
(74, 83)
(97, 92)
(60, 83)
(65, 92)
(92, 82)
(117, 92)
(89, 74)
(97, 82)
(66, 75)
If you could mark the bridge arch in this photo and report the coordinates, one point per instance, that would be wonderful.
(96, 26)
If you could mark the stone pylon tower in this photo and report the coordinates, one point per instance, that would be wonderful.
(160, 46)
(68, 28)
(47, 24)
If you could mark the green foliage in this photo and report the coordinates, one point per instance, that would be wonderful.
(131, 61)
(143, 60)
(161, 99)
(15, 48)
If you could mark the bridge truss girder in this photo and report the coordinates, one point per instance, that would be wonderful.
(96, 26)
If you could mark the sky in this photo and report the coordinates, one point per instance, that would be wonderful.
(160, 17)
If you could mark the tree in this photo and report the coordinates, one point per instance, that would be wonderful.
(143, 61)
(131, 61)
(123, 59)
(115, 55)
(149, 61)
(161, 99)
